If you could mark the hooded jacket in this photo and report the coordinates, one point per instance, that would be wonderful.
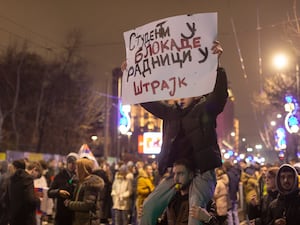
(85, 202)
(143, 188)
(191, 132)
(286, 205)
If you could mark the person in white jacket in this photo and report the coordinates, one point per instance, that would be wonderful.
(221, 195)
(121, 192)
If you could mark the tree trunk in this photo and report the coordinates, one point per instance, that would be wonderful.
(15, 104)
(35, 135)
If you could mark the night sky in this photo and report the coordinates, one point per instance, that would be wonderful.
(45, 24)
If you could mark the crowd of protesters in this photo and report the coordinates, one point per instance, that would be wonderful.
(80, 193)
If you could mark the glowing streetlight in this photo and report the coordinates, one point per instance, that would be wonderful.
(280, 61)
(94, 138)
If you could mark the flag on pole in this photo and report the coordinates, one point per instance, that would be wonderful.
(85, 152)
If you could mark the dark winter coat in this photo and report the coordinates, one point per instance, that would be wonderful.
(191, 132)
(85, 202)
(177, 212)
(105, 199)
(285, 205)
(22, 199)
(64, 180)
(234, 175)
(4, 198)
(260, 212)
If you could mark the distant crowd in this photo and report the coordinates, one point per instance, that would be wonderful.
(85, 191)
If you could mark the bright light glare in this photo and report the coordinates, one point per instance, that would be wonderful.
(259, 146)
(249, 149)
(280, 61)
(94, 138)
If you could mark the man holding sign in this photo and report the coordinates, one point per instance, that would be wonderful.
(189, 127)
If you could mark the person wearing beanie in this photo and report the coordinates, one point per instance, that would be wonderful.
(72, 157)
(86, 194)
(62, 188)
(22, 198)
(285, 209)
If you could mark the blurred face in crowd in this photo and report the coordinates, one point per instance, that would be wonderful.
(71, 166)
(154, 165)
(149, 170)
(286, 179)
(270, 181)
(263, 171)
(35, 173)
(34, 169)
(184, 102)
(182, 175)
(52, 164)
(243, 165)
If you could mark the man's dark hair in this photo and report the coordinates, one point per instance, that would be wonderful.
(19, 164)
(184, 162)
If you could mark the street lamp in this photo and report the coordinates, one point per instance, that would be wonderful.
(291, 121)
(280, 61)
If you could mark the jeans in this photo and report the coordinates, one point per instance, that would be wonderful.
(232, 214)
(200, 193)
(121, 217)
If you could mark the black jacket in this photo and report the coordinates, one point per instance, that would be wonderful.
(62, 181)
(177, 212)
(285, 205)
(191, 132)
(234, 175)
(22, 199)
(260, 212)
(105, 198)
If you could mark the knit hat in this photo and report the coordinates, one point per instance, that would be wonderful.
(19, 164)
(72, 157)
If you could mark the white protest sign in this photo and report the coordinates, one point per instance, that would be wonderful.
(170, 58)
